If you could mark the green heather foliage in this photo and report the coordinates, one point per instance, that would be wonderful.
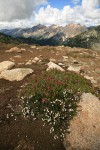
(53, 96)
(7, 39)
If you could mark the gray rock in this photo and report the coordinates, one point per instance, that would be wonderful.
(65, 57)
(5, 65)
(85, 127)
(33, 46)
(75, 68)
(17, 74)
(52, 65)
(52, 59)
(17, 56)
(36, 59)
(16, 49)
(61, 64)
(97, 70)
(29, 62)
(93, 81)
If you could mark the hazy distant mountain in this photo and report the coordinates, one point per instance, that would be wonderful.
(47, 35)
(89, 39)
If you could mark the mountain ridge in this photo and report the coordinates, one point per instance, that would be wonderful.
(72, 35)
(88, 39)
(55, 33)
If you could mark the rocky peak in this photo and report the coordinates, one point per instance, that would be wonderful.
(88, 39)
(54, 26)
(72, 30)
(38, 26)
(72, 25)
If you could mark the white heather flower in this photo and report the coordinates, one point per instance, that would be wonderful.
(55, 137)
(49, 120)
(69, 130)
(51, 130)
(22, 97)
(54, 122)
(7, 116)
(71, 110)
(56, 115)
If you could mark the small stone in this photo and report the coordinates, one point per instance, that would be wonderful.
(91, 79)
(33, 46)
(17, 56)
(15, 49)
(75, 68)
(36, 59)
(52, 65)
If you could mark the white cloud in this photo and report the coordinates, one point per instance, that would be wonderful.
(75, 1)
(20, 13)
(18, 9)
(91, 9)
(90, 4)
(87, 14)
(16, 24)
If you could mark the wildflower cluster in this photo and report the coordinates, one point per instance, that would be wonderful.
(49, 97)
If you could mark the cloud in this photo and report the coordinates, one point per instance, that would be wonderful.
(19, 13)
(75, 1)
(90, 4)
(87, 14)
(16, 24)
(18, 9)
(91, 9)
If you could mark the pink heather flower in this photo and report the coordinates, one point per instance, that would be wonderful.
(43, 100)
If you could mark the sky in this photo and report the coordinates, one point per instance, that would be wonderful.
(27, 13)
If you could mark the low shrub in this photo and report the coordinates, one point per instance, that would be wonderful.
(53, 96)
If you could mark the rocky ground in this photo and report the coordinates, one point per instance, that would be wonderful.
(18, 133)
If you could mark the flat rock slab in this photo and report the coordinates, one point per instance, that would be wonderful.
(52, 65)
(5, 65)
(91, 79)
(17, 74)
(75, 68)
(85, 127)
(16, 49)
(33, 46)
(36, 59)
